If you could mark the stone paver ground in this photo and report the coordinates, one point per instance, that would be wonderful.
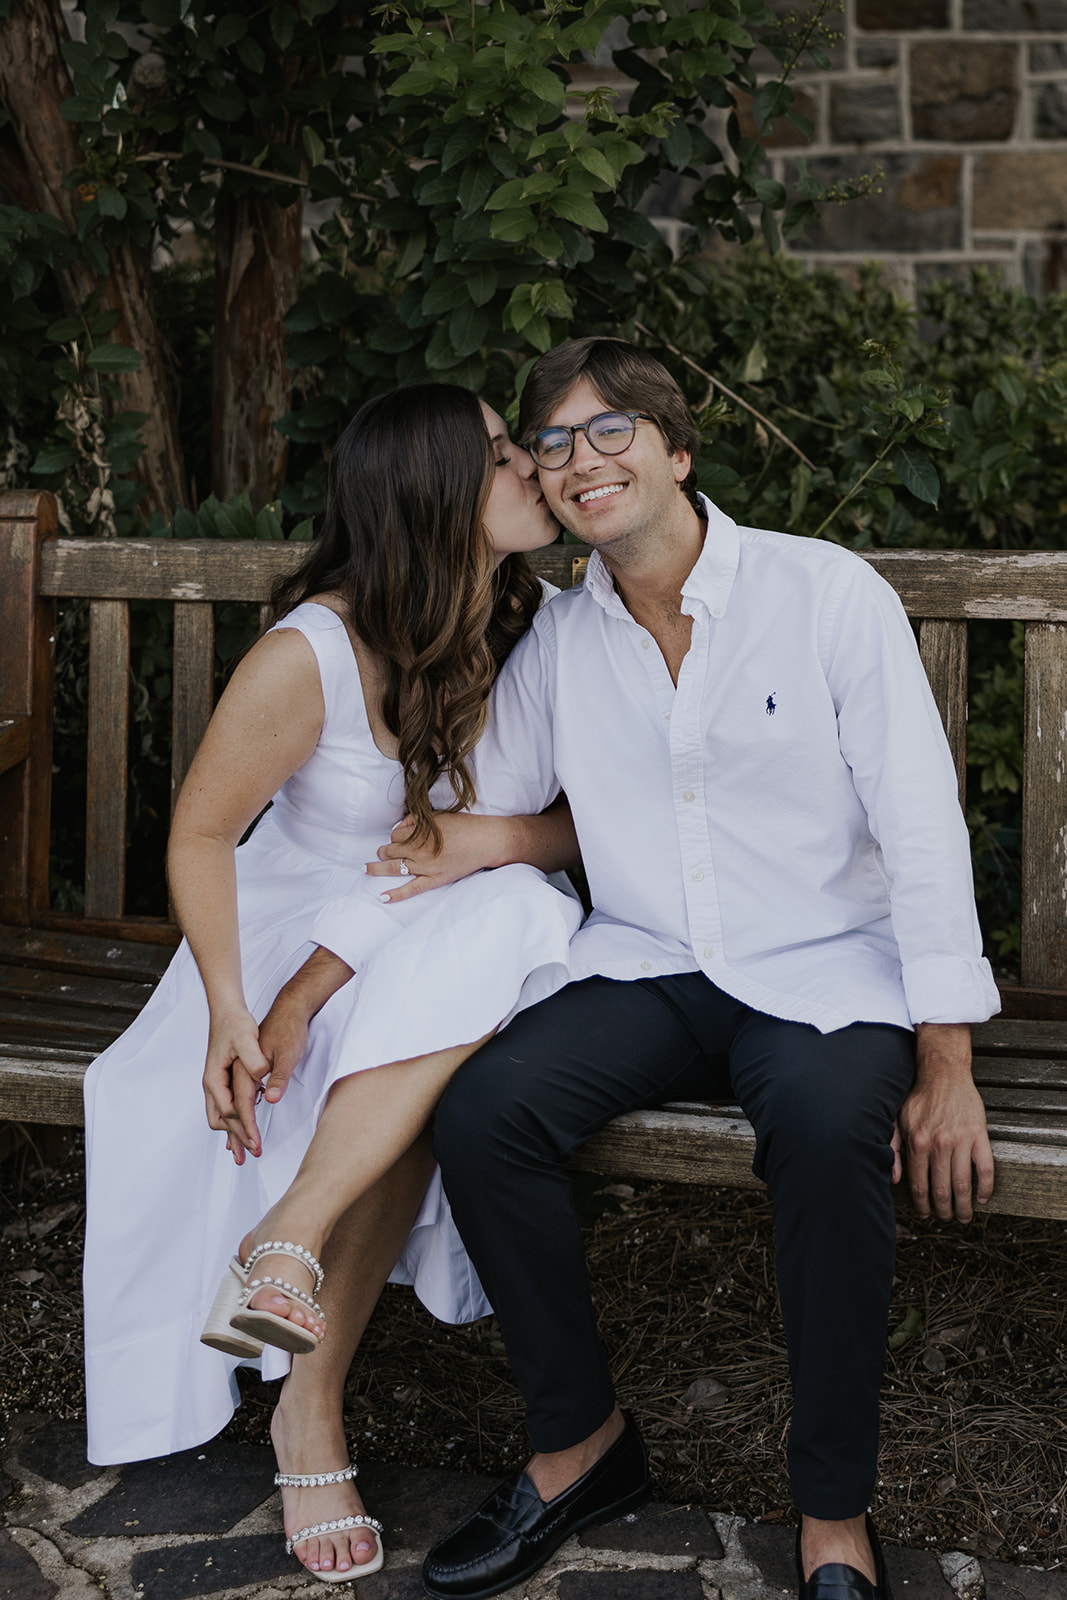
(208, 1522)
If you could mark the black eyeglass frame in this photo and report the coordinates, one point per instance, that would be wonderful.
(632, 417)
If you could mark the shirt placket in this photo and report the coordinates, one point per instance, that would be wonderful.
(689, 783)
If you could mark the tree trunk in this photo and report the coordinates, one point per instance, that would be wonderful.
(33, 85)
(257, 261)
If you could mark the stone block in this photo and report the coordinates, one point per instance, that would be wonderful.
(1020, 189)
(883, 53)
(56, 1453)
(918, 208)
(419, 1505)
(864, 113)
(917, 1573)
(196, 1491)
(773, 1551)
(635, 1585)
(176, 1572)
(782, 134)
(1045, 264)
(1050, 112)
(1048, 57)
(20, 1576)
(1015, 16)
(392, 1583)
(901, 15)
(658, 1530)
(1004, 1582)
(963, 90)
(928, 272)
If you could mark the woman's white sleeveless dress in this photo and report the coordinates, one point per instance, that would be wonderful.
(166, 1205)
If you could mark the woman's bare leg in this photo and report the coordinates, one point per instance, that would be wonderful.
(370, 1119)
(308, 1425)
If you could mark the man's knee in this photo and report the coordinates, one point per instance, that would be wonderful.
(480, 1111)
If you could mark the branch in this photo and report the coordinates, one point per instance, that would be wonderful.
(729, 393)
(240, 166)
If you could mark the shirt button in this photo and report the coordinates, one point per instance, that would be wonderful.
(717, 612)
(709, 954)
(666, 716)
(646, 644)
(687, 794)
(698, 877)
(646, 966)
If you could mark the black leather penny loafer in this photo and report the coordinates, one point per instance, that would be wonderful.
(837, 1581)
(515, 1531)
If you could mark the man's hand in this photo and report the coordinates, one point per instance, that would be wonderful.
(943, 1127)
(469, 844)
(283, 1033)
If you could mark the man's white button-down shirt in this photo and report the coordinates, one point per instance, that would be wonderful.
(785, 820)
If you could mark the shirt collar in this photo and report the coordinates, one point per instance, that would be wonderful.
(710, 582)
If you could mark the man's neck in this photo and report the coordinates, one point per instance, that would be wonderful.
(649, 576)
(649, 582)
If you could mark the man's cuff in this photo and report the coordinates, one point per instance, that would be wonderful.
(356, 925)
(950, 989)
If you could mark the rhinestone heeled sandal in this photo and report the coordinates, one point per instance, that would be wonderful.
(218, 1332)
(315, 1480)
(266, 1325)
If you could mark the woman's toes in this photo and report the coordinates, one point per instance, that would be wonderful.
(363, 1548)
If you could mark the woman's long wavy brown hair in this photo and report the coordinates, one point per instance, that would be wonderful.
(403, 543)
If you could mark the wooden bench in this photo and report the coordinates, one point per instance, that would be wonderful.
(69, 984)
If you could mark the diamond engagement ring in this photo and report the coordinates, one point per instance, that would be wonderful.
(405, 870)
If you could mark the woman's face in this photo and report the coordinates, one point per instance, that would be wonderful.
(516, 515)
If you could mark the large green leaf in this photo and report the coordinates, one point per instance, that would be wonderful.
(467, 329)
(578, 208)
(917, 473)
(113, 358)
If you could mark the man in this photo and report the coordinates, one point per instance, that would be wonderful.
(783, 911)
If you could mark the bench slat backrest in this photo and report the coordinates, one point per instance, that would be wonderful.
(942, 590)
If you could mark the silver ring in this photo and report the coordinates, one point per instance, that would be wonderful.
(405, 870)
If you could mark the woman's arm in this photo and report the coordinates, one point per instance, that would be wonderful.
(265, 726)
(471, 843)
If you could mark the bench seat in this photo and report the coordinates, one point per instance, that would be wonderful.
(70, 984)
(64, 997)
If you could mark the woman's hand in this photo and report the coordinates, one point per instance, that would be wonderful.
(469, 844)
(233, 1071)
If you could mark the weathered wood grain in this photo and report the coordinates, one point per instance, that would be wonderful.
(69, 988)
(27, 643)
(1044, 823)
(193, 695)
(204, 569)
(972, 584)
(41, 1091)
(14, 741)
(88, 954)
(1015, 1037)
(106, 771)
(167, 569)
(943, 647)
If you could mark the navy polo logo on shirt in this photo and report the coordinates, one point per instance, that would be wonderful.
(771, 707)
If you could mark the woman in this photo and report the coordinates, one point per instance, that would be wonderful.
(360, 705)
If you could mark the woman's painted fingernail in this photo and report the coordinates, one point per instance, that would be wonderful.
(384, 898)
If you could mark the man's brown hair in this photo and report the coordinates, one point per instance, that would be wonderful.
(626, 379)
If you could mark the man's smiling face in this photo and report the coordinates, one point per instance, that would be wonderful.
(605, 498)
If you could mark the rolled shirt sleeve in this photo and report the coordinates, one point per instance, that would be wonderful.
(892, 738)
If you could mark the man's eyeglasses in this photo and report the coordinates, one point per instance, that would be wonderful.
(610, 434)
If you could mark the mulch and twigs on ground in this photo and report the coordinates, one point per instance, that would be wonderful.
(974, 1439)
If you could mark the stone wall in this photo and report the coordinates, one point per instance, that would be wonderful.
(963, 105)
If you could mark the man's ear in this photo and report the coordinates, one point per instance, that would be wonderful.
(682, 462)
